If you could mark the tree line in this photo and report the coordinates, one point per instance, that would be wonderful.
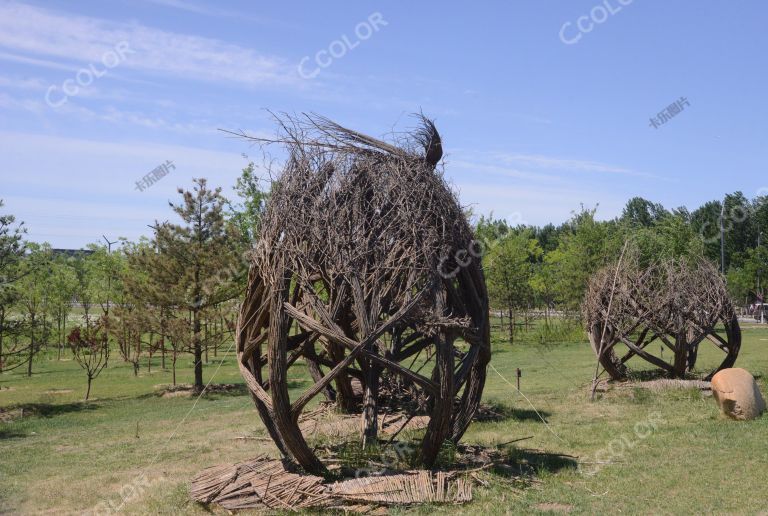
(176, 292)
(545, 268)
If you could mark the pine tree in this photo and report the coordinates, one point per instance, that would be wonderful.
(200, 258)
(12, 249)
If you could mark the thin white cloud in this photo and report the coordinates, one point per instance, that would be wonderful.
(95, 168)
(44, 63)
(102, 113)
(531, 205)
(537, 189)
(9, 102)
(209, 10)
(566, 164)
(45, 33)
(22, 83)
(70, 190)
(75, 223)
(193, 8)
(475, 167)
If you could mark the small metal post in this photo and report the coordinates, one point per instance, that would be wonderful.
(722, 238)
(519, 374)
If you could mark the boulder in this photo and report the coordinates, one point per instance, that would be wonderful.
(737, 394)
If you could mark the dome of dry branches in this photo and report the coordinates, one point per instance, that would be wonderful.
(678, 303)
(346, 276)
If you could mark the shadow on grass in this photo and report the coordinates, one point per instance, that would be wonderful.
(234, 389)
(529, 415)
(6, 433)
(47, 410)
(527, 462)
(212, 392)
(494, 411)
(647, 375)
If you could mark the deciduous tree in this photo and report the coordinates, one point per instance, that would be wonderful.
(90, 348)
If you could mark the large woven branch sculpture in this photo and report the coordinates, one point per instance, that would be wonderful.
(349, 275)
(676, 302)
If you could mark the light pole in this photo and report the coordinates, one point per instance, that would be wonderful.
(109, 273)
(759, 269)
(722, 238)
(759, 273)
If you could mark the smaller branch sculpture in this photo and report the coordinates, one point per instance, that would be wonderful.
(677, 302)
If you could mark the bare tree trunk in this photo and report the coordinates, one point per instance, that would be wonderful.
(163, 338)
(216, 343)
(60, 334)
(149, 360)
(511, 326)
(138, 353)
(173, 365)
(198, 349)
(680, 359)
(88, 391)
(370, 406)
(2, 333)
(29, 359)
(206, 342)
(31, 345)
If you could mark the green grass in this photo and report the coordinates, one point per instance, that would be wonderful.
(66, 456)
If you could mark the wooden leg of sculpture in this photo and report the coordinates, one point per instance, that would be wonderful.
(285, 421)
(440, 418)
(730, 345)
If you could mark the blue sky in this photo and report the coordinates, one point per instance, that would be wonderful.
(543, 106)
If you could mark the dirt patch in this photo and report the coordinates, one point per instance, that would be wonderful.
(66, 448)
(59, 391)
(325, 421)
(176, 394)
(8, 415)
(553, 507)
(187, 390)
(659, 385)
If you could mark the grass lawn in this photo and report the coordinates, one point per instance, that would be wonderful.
(662, 452)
